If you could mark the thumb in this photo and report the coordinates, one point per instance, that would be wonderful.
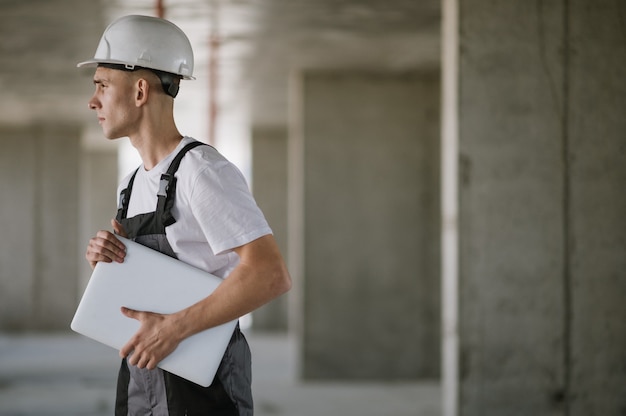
(118, 228)
(130, 313)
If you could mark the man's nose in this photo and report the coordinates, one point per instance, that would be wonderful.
(92, 103)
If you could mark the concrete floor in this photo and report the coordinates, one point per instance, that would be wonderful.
(66, 374)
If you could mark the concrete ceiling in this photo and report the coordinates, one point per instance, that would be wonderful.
(261, 41)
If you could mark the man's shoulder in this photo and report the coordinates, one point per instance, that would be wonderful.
(203, 158)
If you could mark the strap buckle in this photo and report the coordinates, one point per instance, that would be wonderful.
(164, 184)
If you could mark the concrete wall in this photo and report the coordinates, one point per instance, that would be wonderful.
(542, 205)
(367, 167)
(269, 173)
(39, 211)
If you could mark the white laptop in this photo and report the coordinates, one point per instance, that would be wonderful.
(151, 281)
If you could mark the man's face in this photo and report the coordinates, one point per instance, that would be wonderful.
(113, 101)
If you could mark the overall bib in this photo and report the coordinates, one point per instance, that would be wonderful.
(158, 392)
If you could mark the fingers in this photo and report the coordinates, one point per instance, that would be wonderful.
(152, 342)
(133, 350)
(127, 349)
(105, 247)
(131, 313)
(118, 228)
(138, 356)
(140, 360)
(130, 346)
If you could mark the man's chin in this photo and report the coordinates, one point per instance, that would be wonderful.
(111, 136)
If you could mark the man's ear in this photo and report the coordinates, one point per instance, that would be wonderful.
(142, 89)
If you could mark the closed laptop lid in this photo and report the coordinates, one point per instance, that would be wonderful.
(151, 281)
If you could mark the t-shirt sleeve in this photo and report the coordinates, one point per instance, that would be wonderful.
(225, 209)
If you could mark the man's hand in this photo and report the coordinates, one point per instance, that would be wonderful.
(106, 247)
(155, 339)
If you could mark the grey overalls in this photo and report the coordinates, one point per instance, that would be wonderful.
(157, 392)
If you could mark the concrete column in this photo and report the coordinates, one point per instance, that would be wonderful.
(98, 200)
(39, 183)
(364, 155)
(596, 130)
(18, 185)
(269, 185)
(541, 133)
(511, 209)
(58, 234)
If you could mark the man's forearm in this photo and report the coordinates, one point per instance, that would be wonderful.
(260, 276)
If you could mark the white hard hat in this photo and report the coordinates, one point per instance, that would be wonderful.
(147, 42)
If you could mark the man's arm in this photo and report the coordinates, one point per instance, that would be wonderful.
(260, 276)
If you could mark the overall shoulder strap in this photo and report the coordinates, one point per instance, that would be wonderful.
(176, 162)
(167, 185)
(122, 208)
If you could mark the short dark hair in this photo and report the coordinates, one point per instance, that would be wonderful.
(170, 82)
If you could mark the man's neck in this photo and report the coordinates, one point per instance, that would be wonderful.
(154, 149)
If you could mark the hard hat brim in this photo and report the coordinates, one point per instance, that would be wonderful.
(92, 63)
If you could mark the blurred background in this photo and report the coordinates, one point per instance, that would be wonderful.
(445, 179)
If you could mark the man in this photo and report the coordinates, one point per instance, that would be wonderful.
(187, 201)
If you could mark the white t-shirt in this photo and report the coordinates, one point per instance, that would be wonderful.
(214, 209)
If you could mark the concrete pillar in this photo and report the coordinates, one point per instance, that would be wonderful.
(541, 133)
(364, 229)
(98, 200)
(18, 186)
(269, 185)
(511, 209)
(39, 184)
(596, 131)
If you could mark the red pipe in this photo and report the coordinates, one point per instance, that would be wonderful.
(160, 9)
(214, 45)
